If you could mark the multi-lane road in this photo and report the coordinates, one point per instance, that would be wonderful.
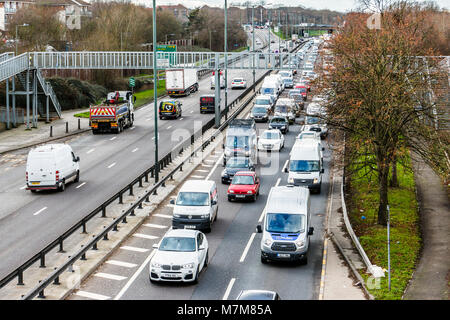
(234, 246)
(28, 222)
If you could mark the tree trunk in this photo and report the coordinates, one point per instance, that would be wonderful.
(383, 176)
(394, 181)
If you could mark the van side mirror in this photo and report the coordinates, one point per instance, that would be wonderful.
(286, 170)
(310, 231)
(172, 201)
(258, 228)
(213, 202)
(223, 146)
(77, 159)
(155, 246)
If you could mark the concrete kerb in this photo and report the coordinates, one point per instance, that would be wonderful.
(84, 268)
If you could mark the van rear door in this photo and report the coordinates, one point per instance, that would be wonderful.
(41, 169)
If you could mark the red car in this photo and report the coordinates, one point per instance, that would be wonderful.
(303, 90)
(245, 185)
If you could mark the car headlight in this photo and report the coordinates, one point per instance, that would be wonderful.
(299, 243)
(231, 191)
(291, 180)
(268, 242)
(250, 191)
(283, 127)
(176, 215)
(224, 173)
(156, 265)
(247, 153)
(188, 265)
(316, 180)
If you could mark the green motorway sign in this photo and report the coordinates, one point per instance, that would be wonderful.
(165, 57)
(132, 83)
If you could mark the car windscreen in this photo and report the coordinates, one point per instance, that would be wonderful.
(278, 120)
(167, 107)
(259, 110)
(181, 244)
(285, 74)
(267, 90)
(270, 135)
(242, 180)
(207, 101)
(237, 141)
(312, 120)
(284, 222)
(304, 165)
(302, 90)
(262, 102)
(238, 80)
(288, 80)
(238, 163)
(193, 199)
(282, 109)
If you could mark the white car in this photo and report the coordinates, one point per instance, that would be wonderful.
(180, 256)
(271, 139)
(305, 135)
(238, 83)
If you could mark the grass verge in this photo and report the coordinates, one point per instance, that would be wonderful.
(404, 229)
(146, 96)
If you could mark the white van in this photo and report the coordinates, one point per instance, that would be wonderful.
(222, 82)
(269, 88)
(277, 79)
(305, 166)
(51, 166)
(196, 205)
(287, 225)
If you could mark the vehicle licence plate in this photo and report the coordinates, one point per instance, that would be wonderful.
(240, 196)
(170, 275)
(283, 255)
(188, 226)
(34, 183)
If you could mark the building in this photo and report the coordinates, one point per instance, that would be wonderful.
(67, 8)
(179, 11)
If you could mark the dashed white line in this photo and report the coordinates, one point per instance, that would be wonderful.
(135, 149)
(192, 111)
(230, 286)
(121, 263)
(109, 276)
(247, 247)
(91, 295)
(198, 177)
(111, 165)
(284, 167)
(135, 275)
(200, 170)
(79, 186)
(39, 211)
(23, 187)
(113, 138)
(169, 127)
(144, 236)
(215, 166)
(157, 226)
(162, 215)
(135, 249)
(92, 150)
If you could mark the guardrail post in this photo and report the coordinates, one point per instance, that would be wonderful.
(51, 131)
(84, 227)
(131, 190)
(105, 236)
(120, 198)
(124, 220)
(42, 260)
(56, 281)
(140, 182)
(20, 277)
(41, 294)
(67, 127)
(103, 212)
(79, 124)
(61, 248)
(146, 177)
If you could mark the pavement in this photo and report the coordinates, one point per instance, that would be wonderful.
(430, 281)
(17, 138)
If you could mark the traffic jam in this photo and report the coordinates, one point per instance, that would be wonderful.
(271, 172)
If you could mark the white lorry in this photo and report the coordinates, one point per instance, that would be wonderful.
(181, 82)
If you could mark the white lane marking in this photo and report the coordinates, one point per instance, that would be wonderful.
(192, 111)
(180, 119)
(200, 170)
(37, 212)
(135, 275)
(278, 182)
(207, 165)
(209, 160)
(135, 149)
(92, 150)
(247, 247)
(121, 263)
(153, 138)
(169, 127)
(170, 205)
(227, 292)
(148, 119)
(135, 249)
(215, 166)
(111, 165)
(144, 236)
(157, 226)
(113, 138)
(198, 177)
(284, 167)
(132, 128)
(91, 295)
(162, 215)
(109, 276)
(23, 187)
(79, 186)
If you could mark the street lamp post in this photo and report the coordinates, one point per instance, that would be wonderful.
(155, 87)
(226, 60)
(17, 27)
(253, 45)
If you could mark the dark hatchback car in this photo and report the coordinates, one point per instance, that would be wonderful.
(258, 295)
(260, 114)
(280, 123)
(234, 165)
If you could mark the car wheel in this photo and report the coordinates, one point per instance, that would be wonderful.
(217, 214)
(33, 191)
(264, 260)
(206, 259)
(62, 187)
(77, 178)
(196, 278)
(254, 198)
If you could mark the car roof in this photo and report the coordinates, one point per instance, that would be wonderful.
(245, 173)
(197, 186)
(288, 199)
(49, 147)
(181, 233)
(257, 295)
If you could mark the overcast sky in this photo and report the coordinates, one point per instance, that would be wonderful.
(337, 5)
